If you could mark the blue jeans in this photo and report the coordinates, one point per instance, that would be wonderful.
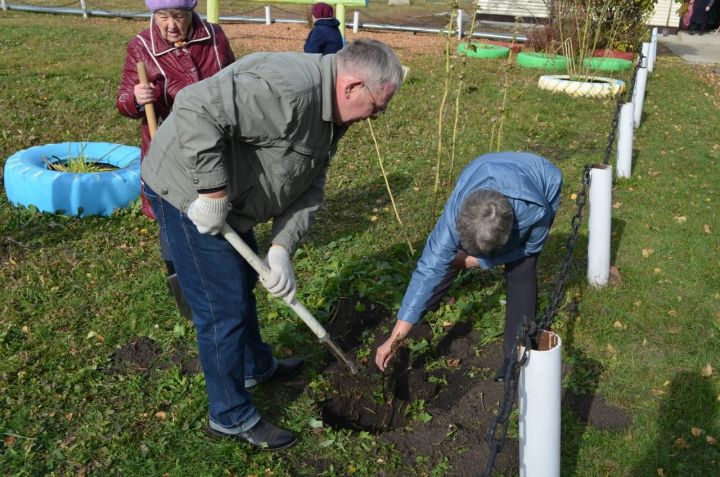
(218, 285)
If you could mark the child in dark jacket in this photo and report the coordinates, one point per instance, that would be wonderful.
(325, 36)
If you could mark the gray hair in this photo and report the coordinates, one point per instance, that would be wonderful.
(372, 61)
(484, 222)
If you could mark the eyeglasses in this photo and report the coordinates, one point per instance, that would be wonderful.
(377, 110)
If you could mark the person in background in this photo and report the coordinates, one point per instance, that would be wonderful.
(499, 213)
(251, 144)
(325, 37)
(177, 49)
(701, 14)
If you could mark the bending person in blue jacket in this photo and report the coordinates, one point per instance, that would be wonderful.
(500, 213)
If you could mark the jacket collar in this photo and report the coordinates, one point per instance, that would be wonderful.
(329, 73)
(159, 46)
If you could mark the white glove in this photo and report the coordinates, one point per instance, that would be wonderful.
(208, 214)
(281, 282)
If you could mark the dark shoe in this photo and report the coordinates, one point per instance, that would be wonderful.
(692, 32)
(287, 368)
(502, 372)
(263, 436)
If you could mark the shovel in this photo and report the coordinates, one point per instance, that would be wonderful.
(264, 272)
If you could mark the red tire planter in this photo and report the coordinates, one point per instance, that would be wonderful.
(515, 48)
(624, 55)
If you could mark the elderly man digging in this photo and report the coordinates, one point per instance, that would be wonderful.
(253, 143)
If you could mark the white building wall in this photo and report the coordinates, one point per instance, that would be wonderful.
(539, 9)
(514, 8)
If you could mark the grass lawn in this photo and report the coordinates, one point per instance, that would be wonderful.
(75, 291)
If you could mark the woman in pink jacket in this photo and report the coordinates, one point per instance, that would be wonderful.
(177, 49)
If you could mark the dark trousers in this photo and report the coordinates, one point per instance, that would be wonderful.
(521, 295)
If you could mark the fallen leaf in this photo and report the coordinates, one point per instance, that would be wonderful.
(645, 343)
(447, 324)
(653, 173)
(667, 383)
(696, 431)
(617, 205)
(573, 196)
(657, 270)
(10, 441)
(610, 349)
(646, 252)
(681, 444)
(162, 415)
(618, 325)
(453, 362)
(69, 416)
(706, 228)
(373, 218)
(711, 440)
(680, 219)
(672, 313)
(707, 371)
(615, 276)
(660, 472)
(657, 392)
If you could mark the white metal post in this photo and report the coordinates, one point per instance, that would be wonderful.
(539, 405)
(625, 141)
(356, 21)
(83, 7)
(639, 95)
(460, 23)
(4, 5)
(653, 50)
(599, 225)
(268, 16)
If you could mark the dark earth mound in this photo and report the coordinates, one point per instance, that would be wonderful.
(438, 404)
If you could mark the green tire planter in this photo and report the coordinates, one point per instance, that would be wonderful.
(483, 50)
(541, 60)
(607, 64)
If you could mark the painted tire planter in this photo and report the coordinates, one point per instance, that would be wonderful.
(623, 55)
(591, 87)
(29, 182)
(607, 64)
(483, 50)
(546, 61)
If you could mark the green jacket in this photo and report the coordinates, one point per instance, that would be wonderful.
(263, 127)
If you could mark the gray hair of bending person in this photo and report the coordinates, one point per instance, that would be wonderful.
(372, 61)
(484, 222)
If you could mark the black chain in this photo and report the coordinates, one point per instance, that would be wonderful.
(497, 434)
(564, 275)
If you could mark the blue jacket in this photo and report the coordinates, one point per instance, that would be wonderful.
(325, 37)
(531, 184)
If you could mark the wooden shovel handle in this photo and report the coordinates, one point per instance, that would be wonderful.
(149, 108)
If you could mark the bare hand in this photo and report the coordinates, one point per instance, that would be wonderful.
(386, 351)
(144, 93)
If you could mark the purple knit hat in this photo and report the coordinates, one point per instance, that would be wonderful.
(322, 10)
(154, 5)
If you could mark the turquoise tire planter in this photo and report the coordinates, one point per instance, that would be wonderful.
(607, 64)
(483, 50)
(29, 182)
(541, 60)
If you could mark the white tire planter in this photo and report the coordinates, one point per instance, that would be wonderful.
(29, 181)
(593, 87)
